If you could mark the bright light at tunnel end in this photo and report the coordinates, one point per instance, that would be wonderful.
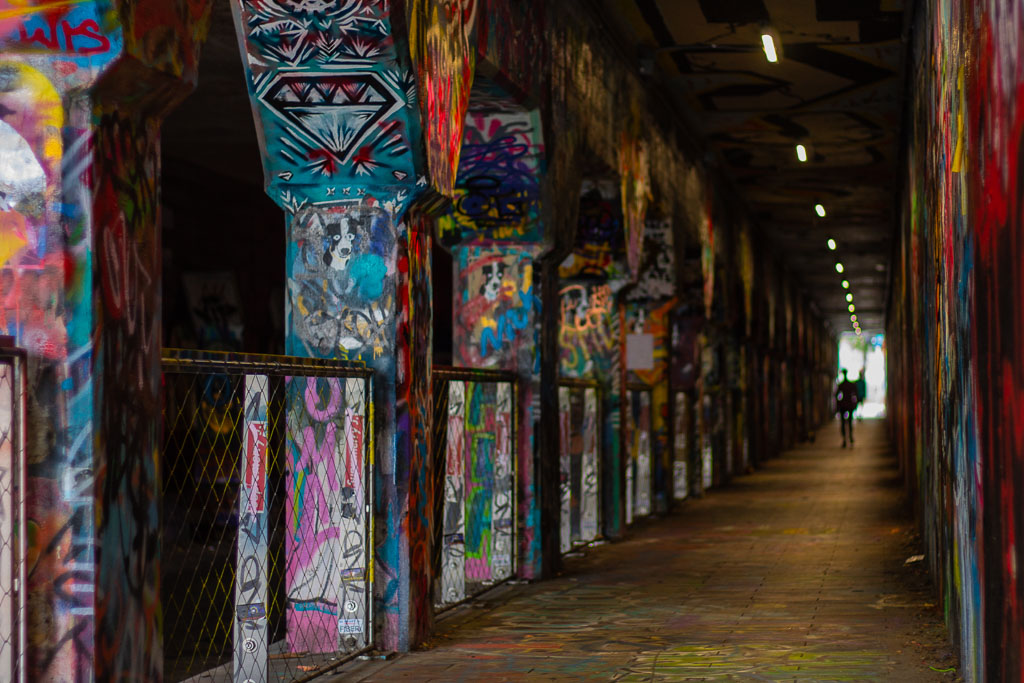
(769, 48)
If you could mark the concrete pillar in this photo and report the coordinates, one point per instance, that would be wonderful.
(334, 95)
(496, 238)
(589, 334)
(83, 88)
(647, 314)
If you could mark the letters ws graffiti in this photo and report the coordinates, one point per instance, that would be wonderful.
(341, 293)
(495, 305)
(327, 558)
(77, 34)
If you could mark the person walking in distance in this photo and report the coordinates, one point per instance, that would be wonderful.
(846, 400)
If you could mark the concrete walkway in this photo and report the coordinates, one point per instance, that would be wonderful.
(796, 572)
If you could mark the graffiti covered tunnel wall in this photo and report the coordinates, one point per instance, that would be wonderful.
(955, 322)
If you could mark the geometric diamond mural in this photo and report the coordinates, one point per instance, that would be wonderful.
(336, 111)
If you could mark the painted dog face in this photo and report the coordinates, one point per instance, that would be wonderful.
(339, 246)
(493, 275)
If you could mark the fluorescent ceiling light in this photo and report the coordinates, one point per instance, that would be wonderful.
(769, 47)
(801, 153)
(849, 297)
(839, 267)
(846, 284)
(820, 210)
(851, 308)
(832, 244)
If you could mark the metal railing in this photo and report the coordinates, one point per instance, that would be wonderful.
(475, 426)
(12, 514)
(580, 426)
(266, 518)
(637, 455)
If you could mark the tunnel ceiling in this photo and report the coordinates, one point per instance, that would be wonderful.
(835, 89)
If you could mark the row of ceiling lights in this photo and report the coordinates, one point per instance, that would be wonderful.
(772, 55)
(801, 154)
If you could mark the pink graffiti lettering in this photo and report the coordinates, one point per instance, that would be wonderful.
(312, 400)
(353, 449)
(256, 465)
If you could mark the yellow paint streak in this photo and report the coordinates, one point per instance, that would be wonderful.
(958, 155)
(12, 235)
(26, 8)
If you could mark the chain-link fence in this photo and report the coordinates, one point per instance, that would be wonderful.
(579, 427)
(12, 542)
(637, 437)
(475, 449)
(266, 516)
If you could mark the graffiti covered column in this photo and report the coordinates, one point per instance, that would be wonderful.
(83, 88)
(647, 313)
(334, 98)
(495, 235)
(589, 349)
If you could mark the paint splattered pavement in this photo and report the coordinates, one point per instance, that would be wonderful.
(794, 573)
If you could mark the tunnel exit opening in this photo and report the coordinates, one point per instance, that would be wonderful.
(863, 357)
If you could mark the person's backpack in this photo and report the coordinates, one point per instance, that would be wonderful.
(847, 395)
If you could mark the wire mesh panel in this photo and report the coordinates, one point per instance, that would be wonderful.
(579, 462)
(266, 524)
(453, 554)
(327, 516)
(478, 527)
(681, 446)
(250, 659)
(639, 479)
(502, 520)
(12, 394)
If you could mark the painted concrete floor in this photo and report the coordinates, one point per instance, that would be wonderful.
(793, 573)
